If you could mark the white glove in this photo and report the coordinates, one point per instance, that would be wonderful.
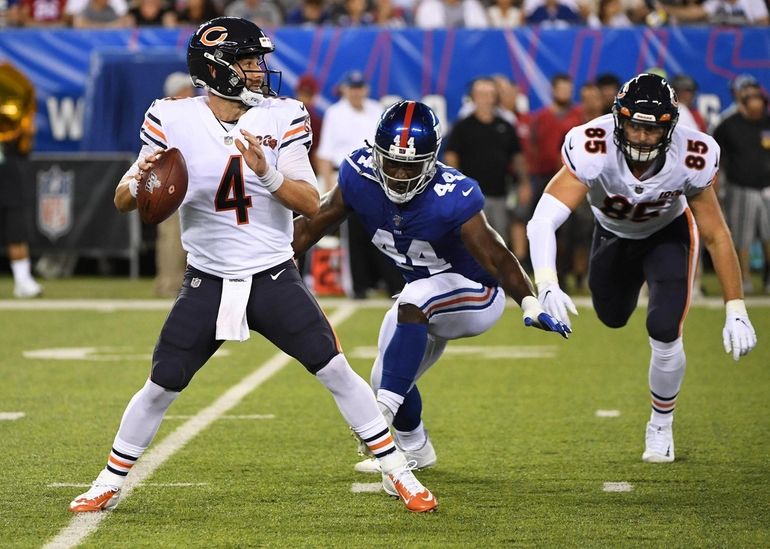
(555, 302)
(738, 334)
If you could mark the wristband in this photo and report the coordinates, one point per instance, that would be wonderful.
(545, 277)
(736, 307)
(272, 179)
(531, 307)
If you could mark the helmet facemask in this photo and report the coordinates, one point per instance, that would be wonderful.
(237, 77)
(402, 173)
(639, 152)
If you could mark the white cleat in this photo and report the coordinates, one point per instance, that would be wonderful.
(423, 458)
(659, 444)
(102, 496)
(27, 290)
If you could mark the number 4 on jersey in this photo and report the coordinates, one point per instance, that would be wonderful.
(231, 194)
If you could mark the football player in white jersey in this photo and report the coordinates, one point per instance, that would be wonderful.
(648, 182)
(248, 168)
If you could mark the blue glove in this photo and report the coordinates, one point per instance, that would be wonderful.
(535, 316)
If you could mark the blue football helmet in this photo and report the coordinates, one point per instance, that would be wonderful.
(216, 49)
(405, 149)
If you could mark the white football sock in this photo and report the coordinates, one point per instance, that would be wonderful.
(391, 400)
(22, 270)
(353, 396)
(411, 440)
(667, 365)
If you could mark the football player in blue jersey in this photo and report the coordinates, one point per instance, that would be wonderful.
(427, 218)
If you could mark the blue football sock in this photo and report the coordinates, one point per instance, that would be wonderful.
(403, 356)
(410, 412)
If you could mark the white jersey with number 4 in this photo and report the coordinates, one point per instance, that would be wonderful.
(623, 204)
(231, 226)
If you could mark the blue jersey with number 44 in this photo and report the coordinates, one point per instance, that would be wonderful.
(422, 237)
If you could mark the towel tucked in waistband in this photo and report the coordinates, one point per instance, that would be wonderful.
(231, 320)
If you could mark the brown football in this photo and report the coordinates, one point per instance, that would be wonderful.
(161, 190)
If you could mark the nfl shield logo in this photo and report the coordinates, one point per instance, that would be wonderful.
(54, 201)
(397, 220)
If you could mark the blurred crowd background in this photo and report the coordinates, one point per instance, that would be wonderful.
(426, 14)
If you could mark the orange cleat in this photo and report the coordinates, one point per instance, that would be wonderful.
(403, 484)
(100, 497)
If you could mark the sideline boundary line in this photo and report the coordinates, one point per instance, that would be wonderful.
(83, 524)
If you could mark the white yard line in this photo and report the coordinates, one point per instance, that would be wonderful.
(150, 484)
(110, 305)
(11, 416)
(362, 487)
(617, 487)
(607, 413)
(83, 524)
(248, 416)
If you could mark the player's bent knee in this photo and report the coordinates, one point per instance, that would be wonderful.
(173, 378)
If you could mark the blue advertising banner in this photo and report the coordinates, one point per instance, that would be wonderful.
(83, 77)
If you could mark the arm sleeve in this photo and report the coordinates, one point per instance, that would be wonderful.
(549, 215)
(294, 163)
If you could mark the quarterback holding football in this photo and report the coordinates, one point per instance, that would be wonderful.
(246, 153)
(649, 182)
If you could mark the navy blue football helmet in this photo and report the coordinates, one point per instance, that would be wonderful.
(649, 100)
(405, 149)
(215, 50)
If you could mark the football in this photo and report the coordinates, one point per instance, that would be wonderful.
(161, 190)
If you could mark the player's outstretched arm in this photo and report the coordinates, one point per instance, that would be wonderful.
(309, 230)
(562, 195)
(488, 248)
(738, 334)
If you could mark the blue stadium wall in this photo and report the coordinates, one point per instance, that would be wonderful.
(94, 86)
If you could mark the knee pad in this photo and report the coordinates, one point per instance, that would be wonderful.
(169, 375)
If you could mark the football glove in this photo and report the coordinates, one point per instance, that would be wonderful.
(738, 334)
(535, 316)
(556, 303)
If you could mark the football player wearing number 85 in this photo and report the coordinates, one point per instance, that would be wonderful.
(648, 182)
(428, 219)
(248, 169)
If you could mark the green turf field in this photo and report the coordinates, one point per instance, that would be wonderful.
(522, 456)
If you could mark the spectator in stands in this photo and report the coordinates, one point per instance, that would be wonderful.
(170, 257)
(433, 14)
(347, 125)
(574, 237)
(736, 85)
(264, 13)
(554, 14)
(744, 138)
(504, 14)
(685, 88)
(307, 91)
(719, 12)
(101, 14)
(609, 13)
(486, 147)
(17, 122)
(388, 15)
(309, 14)
(152, 13)
(609, 85)
(353, 13)
(42, 13)
(196, 12)
(10, 13)
(547, 128)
